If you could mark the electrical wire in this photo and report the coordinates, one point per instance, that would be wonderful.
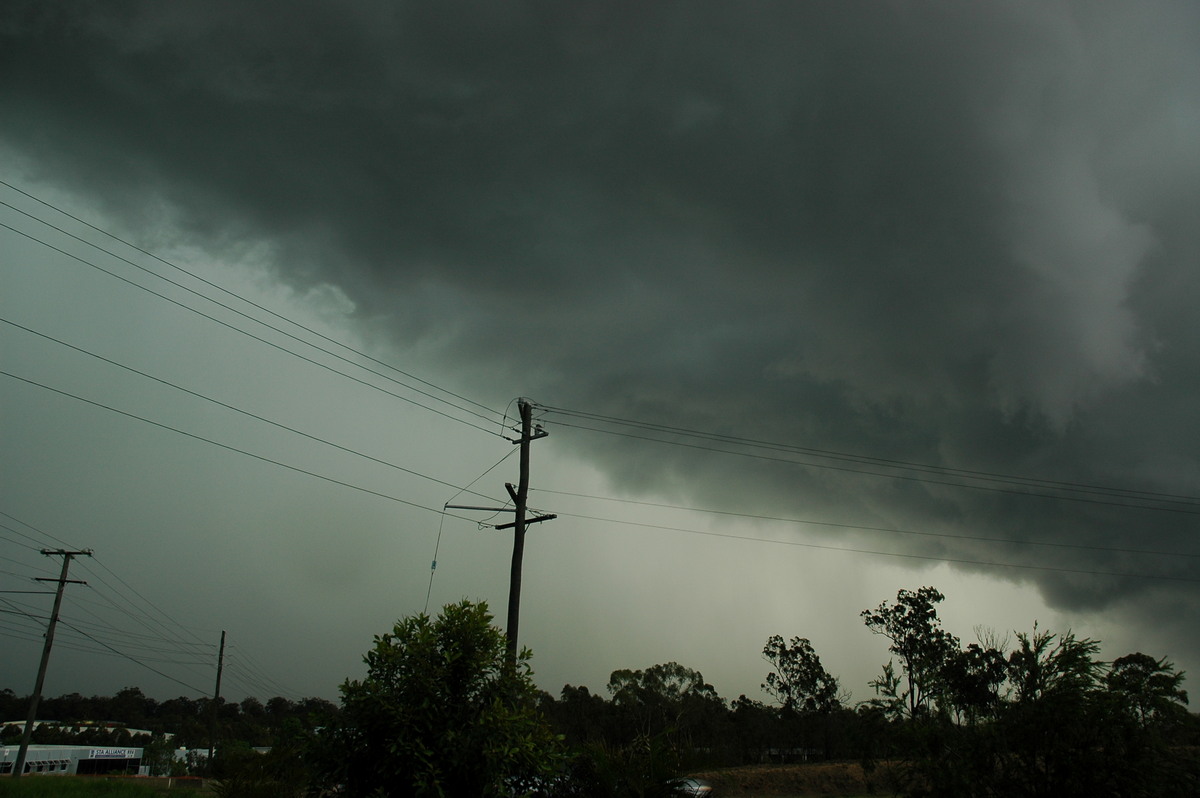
(866, 528)
(132, 659)
(852, 550)
(163, 626)
(438, 545)
(878, 467)
(203, 439)
(58, 541)
(258, 338)
(907, 464)
(223, 290)
(105, 647)
(162, 643)
(241, 660)
(88, 565)
(1189, 505)
(889, 463)
(230, 407)
(19, 562)
(17, 542)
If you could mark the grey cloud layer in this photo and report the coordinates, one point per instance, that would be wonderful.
(922, 231)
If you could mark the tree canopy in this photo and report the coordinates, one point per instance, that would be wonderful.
(916, 636)
(799, 682)
(441, 713)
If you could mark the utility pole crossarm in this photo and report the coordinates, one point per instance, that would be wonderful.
(528, 521)
(482, 509)
(527, 437)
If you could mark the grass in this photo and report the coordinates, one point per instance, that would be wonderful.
(84, 787)
(824, 779)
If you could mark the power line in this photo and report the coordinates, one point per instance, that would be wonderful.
(36, 636)
(242, 659)
(35, 529)
(900, 464)
(222, 289)
(19, 562)
(87, 566)
(149, 622)
(906, 464)
(438, 545)
(17, 542)
(1191, 505)
(162, 644)
(851, 550)
(228, 406)
(866, 528)
(246, 682)
(132, 659)
(262, 458)
(258, 338)
(97, 625)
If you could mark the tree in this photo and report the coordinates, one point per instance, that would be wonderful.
(917, 638)
(1149, 687)
(580, 715)
(252, 707)
(666, 698)
(1048, 719)
(440, 712)
(799, 682)
(1058, 725)
(280, 707)
(802, 686)
(158, 754)
(971, 682)
(132, 707)
(752, 728)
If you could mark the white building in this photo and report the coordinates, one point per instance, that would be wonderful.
(73, 759)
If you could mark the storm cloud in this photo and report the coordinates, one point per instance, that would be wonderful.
(948, 249)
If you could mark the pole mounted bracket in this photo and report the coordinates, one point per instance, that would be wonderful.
(528, 521)
(537, 433)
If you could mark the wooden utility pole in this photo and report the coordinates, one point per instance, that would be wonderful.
(520, 496)
(212, 719)
(35, 699)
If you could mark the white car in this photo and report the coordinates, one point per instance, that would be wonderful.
(693, 787)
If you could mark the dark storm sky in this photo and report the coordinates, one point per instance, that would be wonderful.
(959, 236)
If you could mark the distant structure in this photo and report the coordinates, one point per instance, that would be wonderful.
(79, 727)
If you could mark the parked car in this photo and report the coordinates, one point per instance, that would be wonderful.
(694, 788)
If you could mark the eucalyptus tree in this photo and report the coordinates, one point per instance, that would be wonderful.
(923, 647)
(799, 682)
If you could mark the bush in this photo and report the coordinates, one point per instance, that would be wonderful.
(441, 712)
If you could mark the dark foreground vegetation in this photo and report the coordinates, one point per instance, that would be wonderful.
(442, 712)
(83, 787)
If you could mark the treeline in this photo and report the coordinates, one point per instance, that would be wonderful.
(248, 723)
(671, 709)
(1038, 715)
(443, 711)
(1035, 714)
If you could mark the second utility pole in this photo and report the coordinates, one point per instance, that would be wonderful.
(216, 704)
(23, 749)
